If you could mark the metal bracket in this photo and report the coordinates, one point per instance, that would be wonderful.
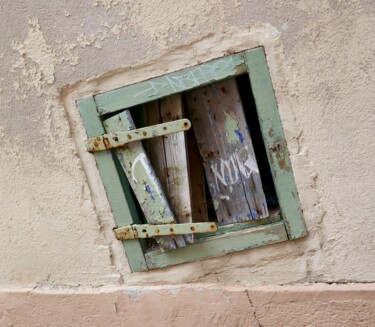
(131, 232)
(114, 140)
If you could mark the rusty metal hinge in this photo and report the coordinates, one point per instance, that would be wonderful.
(131, 232)
(117, 139)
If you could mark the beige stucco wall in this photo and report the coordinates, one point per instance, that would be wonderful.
(55, 226)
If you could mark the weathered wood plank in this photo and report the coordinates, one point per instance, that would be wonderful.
(274, 141)
(142, 179)
(224, 142)
(118, 194)
(169, 154)
(219, 245)
(196, 176)
(156, 145)
(172, 83)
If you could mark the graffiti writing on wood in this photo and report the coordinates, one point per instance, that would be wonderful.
(179, 82)
(228, 171)
(143, 161)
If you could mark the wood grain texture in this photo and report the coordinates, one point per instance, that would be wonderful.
(118, 194)
(170, 157)
(292, 226)
(142, 179)
(172, 83)
(274, 141)
(197, 183)
(224, 142)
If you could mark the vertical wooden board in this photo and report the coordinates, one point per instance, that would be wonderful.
(156, 145)
(275, 143)
(123, 211)
(197, 184)
(143, 181)
(225, 145)
(169, 158)
(179, 195)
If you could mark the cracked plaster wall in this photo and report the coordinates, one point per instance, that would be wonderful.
(321, 61)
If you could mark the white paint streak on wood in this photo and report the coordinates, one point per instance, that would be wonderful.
(224, 141)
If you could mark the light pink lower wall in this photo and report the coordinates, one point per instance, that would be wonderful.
(192, 305)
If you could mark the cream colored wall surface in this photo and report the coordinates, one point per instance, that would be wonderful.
(55, 226)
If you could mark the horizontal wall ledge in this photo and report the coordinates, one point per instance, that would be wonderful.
(192, 305)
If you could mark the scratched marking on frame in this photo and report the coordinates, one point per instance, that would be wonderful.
(194, 77)
(228, 172)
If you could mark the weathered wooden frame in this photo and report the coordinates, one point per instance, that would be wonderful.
(289, 224)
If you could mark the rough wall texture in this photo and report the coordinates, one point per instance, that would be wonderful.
(55, 226)
(219, 305)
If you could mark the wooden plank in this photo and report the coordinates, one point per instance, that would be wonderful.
(142, 179)
(171, 163)
(224, 142)
(219, 245)
(196, 177)
(275, 143)
(172, 83)
(156, 145)
(118, 194)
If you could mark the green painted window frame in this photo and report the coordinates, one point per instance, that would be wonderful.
(287, 225)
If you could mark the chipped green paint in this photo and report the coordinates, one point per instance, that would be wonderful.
(275, 143)
(216, 204)
(142, 179)
(118, 193)
(169, 84)
(231, 126)
(219, 245)
(242, 226)
(225, 145)
(235, 237)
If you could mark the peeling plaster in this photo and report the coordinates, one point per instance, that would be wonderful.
(320, 60)
(218, 269)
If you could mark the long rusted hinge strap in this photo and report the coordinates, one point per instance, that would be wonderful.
(145, 231)
(114, 140)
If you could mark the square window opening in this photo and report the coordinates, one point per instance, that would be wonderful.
(230, 169)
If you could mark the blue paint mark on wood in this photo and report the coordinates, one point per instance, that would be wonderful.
(240, 136)
(143, 181)
(228, 155)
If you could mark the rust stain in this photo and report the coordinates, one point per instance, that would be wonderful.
(282, 164)
(106, 143)
(277, 147)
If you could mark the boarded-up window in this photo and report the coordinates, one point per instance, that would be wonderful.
(225, 171)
